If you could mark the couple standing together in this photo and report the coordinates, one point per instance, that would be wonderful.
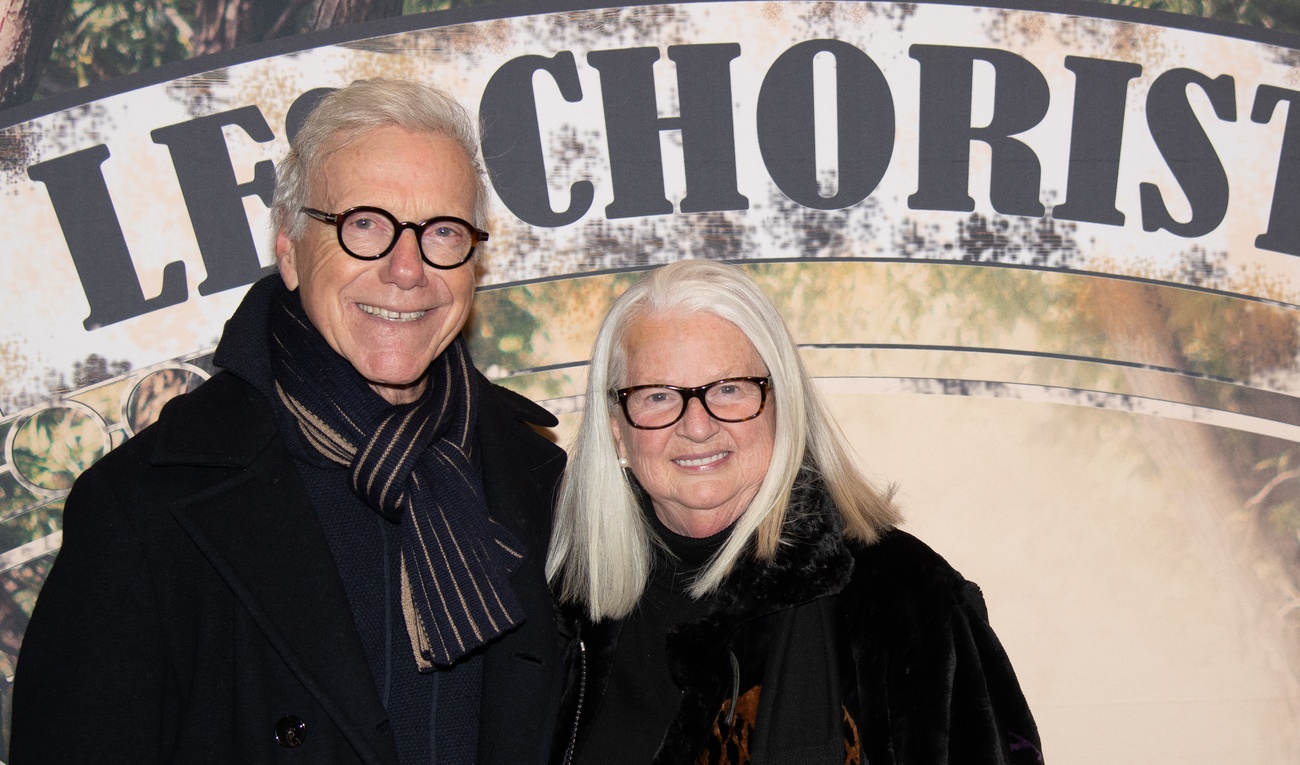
(336, 549)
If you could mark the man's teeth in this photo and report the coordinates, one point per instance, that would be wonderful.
(384, 313)
(702, 460)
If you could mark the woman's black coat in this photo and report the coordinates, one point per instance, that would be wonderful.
(833, 652)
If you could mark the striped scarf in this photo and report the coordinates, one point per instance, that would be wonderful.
(414, 464)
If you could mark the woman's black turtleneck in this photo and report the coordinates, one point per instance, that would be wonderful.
(641, 698)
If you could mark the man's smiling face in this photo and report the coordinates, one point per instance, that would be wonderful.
(393, 316)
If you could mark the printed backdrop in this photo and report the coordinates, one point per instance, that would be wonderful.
(1041, 261)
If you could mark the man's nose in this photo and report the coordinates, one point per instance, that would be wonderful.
(403, 266)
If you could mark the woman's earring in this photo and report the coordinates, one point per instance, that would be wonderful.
(622, 462)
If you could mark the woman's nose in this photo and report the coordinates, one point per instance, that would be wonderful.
(696, 421)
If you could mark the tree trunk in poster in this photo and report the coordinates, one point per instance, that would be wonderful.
(336, 13)
(28, 29)
(224, 24)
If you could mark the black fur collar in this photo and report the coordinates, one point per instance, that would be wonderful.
(812, 560)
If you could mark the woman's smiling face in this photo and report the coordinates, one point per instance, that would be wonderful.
(700, 473)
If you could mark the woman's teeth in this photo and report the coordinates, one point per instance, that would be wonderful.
(702, 460)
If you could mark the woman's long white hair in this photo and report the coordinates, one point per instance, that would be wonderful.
(601, 546)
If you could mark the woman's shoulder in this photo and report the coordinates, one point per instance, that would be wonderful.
(897, 552)
(899, 573)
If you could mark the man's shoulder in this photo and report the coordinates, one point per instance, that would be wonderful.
(202, 440)
(510, 423)
(521, 466)
(516, 405)
(225, 422)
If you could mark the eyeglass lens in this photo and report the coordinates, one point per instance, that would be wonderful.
(370, 233)
(726, 400)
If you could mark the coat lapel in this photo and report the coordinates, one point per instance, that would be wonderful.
(259, 532)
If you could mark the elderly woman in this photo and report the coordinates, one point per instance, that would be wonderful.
(738, 591)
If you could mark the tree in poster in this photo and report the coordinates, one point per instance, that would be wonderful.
(224, 24)
(28, 29)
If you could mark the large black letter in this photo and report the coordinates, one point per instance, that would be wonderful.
(632, 125)
(1096, 135)
(215, 199)
(1020, 100)
(864, 124)
(1283, 233)
(1188, 151)
(708, 131)
(512, 139)
(90, 227)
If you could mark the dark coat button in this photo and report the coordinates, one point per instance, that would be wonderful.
(290, 731)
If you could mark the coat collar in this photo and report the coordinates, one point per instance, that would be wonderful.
(521, 675)
(811, 561)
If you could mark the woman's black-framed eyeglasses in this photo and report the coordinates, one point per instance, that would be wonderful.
(370, 233)
(733, 399)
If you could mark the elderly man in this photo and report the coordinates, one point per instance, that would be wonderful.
(331, 552)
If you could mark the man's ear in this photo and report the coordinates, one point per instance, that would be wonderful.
(285, 256)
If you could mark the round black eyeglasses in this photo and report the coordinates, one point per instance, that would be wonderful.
(733, 399)
(370, 233)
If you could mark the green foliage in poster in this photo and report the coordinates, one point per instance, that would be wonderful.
(1283, 15)
(103, 40)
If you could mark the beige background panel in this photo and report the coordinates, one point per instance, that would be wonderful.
(1114, 576)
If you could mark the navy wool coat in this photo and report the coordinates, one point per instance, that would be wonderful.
(195, 605)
